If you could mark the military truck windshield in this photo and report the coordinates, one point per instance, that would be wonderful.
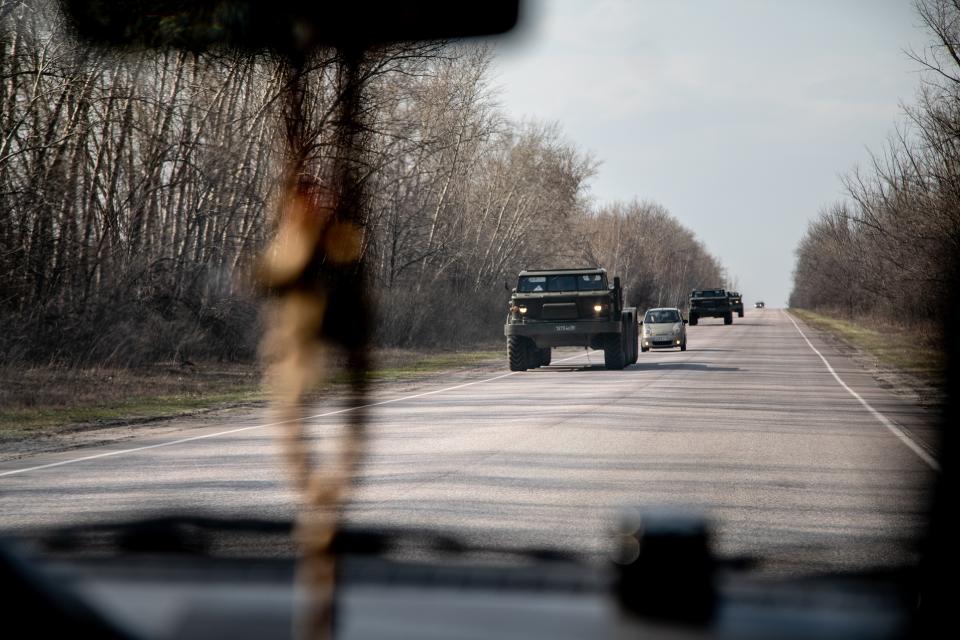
(561, 282)
(709, 293)
(590, 282)
(661, 316)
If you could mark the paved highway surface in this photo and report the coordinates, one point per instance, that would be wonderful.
(749, 423)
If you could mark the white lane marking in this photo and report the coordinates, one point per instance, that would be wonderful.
(894, 429)
(171, 443)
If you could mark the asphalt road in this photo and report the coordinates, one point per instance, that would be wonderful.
(748, 424)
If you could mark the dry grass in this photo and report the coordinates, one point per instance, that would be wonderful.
(913, 350)
(402, 364)
(40, 401)
(36, 399)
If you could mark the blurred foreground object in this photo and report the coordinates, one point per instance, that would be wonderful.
(284, 25)
(160, 579)
(666, 566)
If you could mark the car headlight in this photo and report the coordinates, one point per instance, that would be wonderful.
(522, 310)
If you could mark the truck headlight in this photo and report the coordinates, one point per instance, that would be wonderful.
(522, 310)
(598, 308)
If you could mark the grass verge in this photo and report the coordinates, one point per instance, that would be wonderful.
(41, 401)
(906, 351)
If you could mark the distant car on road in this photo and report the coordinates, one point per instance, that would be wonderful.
(663, 328)
(758, 304)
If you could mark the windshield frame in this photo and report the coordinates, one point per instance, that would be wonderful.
(560, 282)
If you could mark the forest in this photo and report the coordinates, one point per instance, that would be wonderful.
(884, 251)
(137, 191)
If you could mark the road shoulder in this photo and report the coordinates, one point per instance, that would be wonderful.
(910, 403)
(392, 377)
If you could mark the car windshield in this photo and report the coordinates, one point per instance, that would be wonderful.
(561, 282)
(337, 283)
(660, 316)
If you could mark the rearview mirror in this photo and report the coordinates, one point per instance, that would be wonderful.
(283, 25)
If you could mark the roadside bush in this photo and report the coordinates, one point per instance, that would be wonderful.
(440, 318)
(116, 330)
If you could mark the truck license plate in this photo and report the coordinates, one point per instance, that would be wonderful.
(566, 327)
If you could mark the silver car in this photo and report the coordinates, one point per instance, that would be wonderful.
(663, 328)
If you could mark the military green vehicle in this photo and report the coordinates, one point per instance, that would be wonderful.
(569, 308)
(736, 302)
(710, 303)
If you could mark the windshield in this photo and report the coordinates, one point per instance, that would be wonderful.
(561, 282)
(661, 316)
(280, 285)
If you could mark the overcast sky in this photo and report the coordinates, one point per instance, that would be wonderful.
(738, 116)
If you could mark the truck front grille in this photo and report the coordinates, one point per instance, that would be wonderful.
(559, 311)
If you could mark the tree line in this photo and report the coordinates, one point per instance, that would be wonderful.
(136, 192)
(885, 249)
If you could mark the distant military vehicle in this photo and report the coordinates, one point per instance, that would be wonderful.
(736, 302)
(710, 303)
(569, 308)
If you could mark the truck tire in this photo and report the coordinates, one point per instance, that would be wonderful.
(517, 353)
(728, 317)
(631, 337)
(543, 356)
(693, 320)
(739, 314)
(613, 352)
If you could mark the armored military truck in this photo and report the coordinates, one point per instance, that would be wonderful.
(569, 308)
(736, 302)
(710, 303)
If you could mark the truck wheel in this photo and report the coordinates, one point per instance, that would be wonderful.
(693, 320)
(517, 353)
(728, 318)
(633, 342)
(613, 355)
(544, 356)
(739, 314)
